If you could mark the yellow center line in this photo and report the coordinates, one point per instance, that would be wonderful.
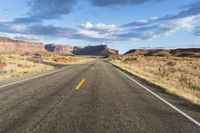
(80, 84)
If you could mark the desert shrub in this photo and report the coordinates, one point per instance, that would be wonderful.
(171, 63)
(177, 74)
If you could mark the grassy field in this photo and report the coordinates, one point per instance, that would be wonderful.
(12, 66)
(58, 59)
(15, 65)
(180, 76)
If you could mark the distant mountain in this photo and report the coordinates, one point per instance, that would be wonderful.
(8, 45)
(99, 50)
(60, 49)
(187, 52)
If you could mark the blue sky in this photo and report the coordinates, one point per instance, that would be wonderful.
(121, 24)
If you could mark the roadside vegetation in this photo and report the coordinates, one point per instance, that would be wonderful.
(19, 65)
(13, 65)
(178, 75)
(59, 59)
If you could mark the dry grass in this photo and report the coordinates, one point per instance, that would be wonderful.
(58, 59)
(180, 76)
(16, 65)
(12, 66)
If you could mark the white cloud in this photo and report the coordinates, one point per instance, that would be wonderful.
(186, 23)
(100, 27)
(104, 27)
(88, 33)
(87, 25)
(99, 31)
(142, 21)
(183, 23)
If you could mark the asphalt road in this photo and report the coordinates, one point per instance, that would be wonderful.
(91, 98)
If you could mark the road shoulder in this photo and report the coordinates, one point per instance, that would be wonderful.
(179, 102)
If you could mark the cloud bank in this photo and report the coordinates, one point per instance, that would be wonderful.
(187, 19)
(47, 9)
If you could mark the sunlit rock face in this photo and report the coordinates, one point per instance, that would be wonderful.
(14, 46)
(8, 45)
(60, 49)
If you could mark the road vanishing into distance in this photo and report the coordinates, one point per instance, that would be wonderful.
(94, 97)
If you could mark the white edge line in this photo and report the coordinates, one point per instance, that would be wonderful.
(16, 82)
(169, 104)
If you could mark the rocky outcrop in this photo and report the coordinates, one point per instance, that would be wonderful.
(136, 52)
(60, 49)
(100, 50)
(187, 52)
(8, 45)
(14, 46)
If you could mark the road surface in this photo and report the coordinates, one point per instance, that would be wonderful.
(94, 97)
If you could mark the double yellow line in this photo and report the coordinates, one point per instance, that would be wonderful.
(80, 84)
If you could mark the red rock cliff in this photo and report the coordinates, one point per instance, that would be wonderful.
(13, 46)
